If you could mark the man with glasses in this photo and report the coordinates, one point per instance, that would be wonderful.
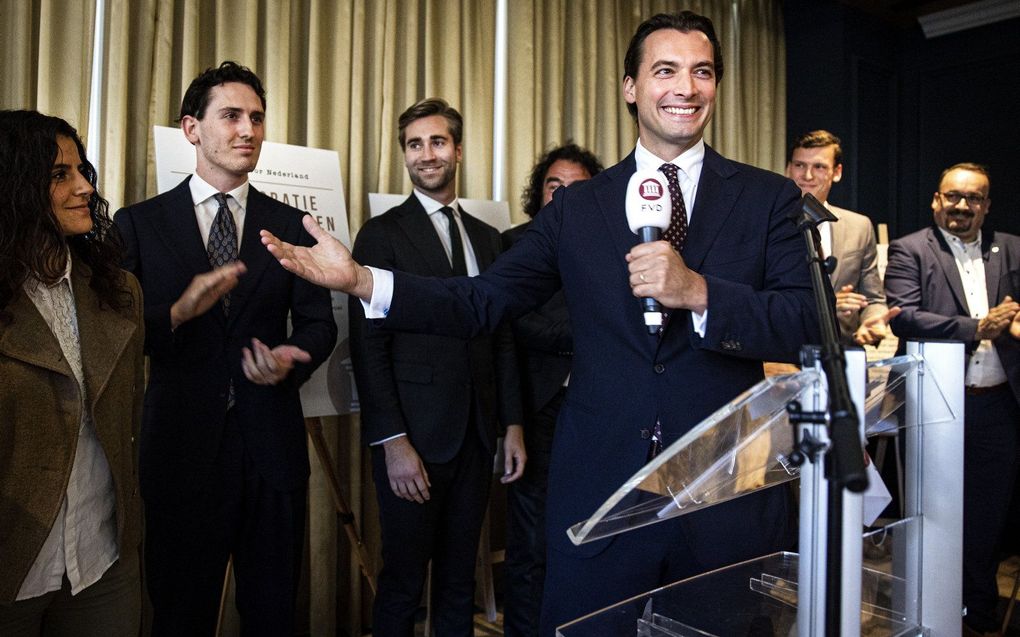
(816, 163)
(954, 281)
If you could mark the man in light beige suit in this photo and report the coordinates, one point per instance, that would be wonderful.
(815, 164)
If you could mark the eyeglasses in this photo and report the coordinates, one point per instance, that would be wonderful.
(973, 199)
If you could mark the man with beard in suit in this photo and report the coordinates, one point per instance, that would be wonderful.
(430, 404)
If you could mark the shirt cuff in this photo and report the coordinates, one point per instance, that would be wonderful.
(698, 322)
(382, 294)
(385, 440)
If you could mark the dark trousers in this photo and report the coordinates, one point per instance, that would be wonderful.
(525, 542)
(109, 608)
(190, 536)
(990, 457)
(444, 529)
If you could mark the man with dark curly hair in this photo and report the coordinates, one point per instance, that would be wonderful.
(544, 348)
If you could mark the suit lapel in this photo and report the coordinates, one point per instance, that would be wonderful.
(253, 254)
(611, 197)
(175, 220)
(991, 254)
(717, 194)
(479, 240)
(28, 338)
(837, 231)
(103, 335)
(945, 261)
(422, 236)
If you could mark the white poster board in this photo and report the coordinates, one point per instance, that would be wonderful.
(309, 180)
(494, 213)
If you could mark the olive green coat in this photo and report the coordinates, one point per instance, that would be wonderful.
(40, 413)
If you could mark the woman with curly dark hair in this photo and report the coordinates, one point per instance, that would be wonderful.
(71, 365)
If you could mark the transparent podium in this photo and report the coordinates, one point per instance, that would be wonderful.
(902, 578)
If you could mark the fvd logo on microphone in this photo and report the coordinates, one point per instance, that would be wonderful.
(650, 189)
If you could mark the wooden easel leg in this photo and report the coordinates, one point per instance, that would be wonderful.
(314, 428)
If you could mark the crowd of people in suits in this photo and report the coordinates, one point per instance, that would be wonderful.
(458, 336)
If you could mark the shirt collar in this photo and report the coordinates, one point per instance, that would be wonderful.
(689, 161)
(952, 239)
(201, 191)
(32, 283)
(431, 205)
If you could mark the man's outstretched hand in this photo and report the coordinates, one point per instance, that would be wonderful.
(328, 263)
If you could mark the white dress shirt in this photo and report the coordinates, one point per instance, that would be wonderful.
(82, 542)
(985, 368)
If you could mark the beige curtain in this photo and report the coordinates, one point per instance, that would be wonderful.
(566, 70)
(337, 75)
(46, 47)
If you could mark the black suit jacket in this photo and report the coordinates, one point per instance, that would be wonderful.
(922, 278)
(544, 343)
(192, 366)
(760, 307)
(422, 385)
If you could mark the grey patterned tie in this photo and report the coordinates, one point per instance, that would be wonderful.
(676, 233)
(222, 246)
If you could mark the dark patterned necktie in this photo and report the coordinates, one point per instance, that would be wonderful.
(222, 246)
(457, 261)
(676, 233)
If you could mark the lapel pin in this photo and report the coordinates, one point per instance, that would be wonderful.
(995, 248)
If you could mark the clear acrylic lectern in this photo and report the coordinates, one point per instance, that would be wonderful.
(899, 579)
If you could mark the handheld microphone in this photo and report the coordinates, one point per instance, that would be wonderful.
(648, 210)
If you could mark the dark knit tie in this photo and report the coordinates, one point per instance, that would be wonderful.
(222, 250)
(457, 261)
(222, 246)
(676, 233)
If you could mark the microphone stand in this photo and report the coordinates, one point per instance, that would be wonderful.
(844, 458)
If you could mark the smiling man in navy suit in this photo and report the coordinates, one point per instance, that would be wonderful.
(223, 459)
(738, 291)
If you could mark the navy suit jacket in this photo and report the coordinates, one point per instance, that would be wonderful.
(922, 278)
(427, 386)
(192, 366)
(760, 307)
(544, 343)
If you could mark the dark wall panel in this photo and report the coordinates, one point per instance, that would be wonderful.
(967, 110)
(906, 107)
